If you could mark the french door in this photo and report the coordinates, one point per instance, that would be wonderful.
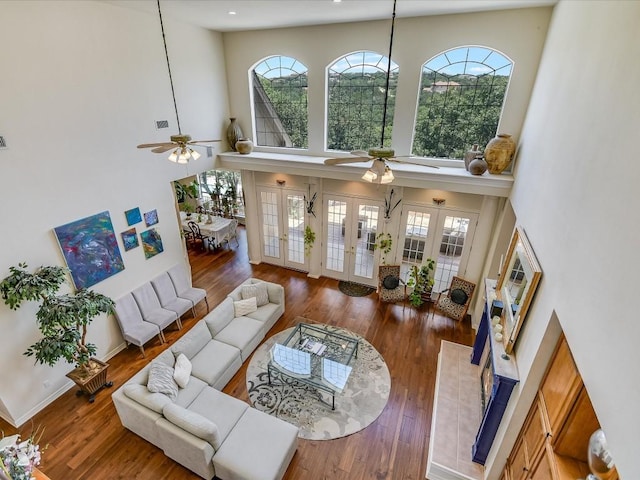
(443, 235)
(349, 233)
(282, 223)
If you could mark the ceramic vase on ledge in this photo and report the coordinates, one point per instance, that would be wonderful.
(234, 133)
(499, 152)
(244, 146)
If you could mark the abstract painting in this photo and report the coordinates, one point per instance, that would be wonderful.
(151, 243)
(151, 217)
(130, 239)
(133, 216)
(90, 248)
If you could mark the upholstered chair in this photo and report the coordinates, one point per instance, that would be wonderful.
(166, 293)
(454, 301)
(134, 329)
(391, 288)
(182, 284)
(150, 307)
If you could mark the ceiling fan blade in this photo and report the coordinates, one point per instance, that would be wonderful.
(360, 153)
(152, 145)
(164, 148)
(195, 142)
(404, 160)
(339, 161)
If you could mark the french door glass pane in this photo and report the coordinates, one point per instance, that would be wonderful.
(295, 233)
(415, 240)
(270, 224)
(453, 237)
(367, 228)
(336, 219)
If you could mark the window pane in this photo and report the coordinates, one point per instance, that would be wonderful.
(355, 103)
(461, 97)
(280, 103)
(295, 233)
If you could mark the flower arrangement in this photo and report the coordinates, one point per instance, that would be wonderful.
(18, 460)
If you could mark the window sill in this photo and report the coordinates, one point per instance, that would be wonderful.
(407, 175)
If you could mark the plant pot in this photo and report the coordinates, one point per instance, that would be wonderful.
(92, 380)
(499, 152)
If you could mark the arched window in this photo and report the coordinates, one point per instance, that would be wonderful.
(355, 101)
(461, 97)
(280, 102)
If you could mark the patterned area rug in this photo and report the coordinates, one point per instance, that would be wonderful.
(355, 289)
(360, 403)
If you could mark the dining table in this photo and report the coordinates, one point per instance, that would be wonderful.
(214, 227)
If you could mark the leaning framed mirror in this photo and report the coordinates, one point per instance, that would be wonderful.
(519, 277)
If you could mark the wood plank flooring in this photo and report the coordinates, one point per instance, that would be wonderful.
(87, 441)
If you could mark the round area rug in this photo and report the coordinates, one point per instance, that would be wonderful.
(359, 404)
(355, 289)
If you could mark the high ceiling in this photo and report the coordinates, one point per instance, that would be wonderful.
(261, 14)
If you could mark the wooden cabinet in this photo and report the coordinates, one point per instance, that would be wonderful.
(553, 442)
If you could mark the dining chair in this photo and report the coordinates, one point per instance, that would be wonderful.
(151, 309)
(166, 293)
(198, 236)
(232, 232)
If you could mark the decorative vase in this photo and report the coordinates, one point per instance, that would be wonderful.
(470, 155)
(499, 152)
(477, 166)
(244, 146)
(234, 133)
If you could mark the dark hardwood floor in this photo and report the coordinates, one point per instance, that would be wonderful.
(87, 441)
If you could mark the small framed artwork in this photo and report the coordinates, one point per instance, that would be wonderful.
(151, 217)
(151, 243)
(130, 239)
(133, 216)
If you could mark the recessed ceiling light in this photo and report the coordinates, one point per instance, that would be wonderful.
(232, 12)
(337, 1)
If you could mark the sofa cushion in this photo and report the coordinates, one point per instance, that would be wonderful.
(193, 423)
(142, 395)
(257, 290)
(266, 314)
(244, 333)
(222, 409)
(213, 361)
(193, 341)
(269, 442)
(161, 380)
(220, 317)
(182, 370)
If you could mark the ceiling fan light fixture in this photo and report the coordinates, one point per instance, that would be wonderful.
(387, 176)
(195, 155)
(174, 156)
(369, 176)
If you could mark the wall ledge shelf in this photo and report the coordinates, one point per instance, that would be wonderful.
(449, 178)
(456, 416)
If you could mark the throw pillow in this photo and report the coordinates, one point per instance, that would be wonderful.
(182, 371)
(243, 307)
(193, 423)
(161, 380)
(258, 290)
(459, 296)
(390, 282)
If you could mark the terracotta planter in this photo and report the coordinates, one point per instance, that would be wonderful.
(499, 152)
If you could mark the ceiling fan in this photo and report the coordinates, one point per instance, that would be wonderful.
(379, 172)
(181, 143)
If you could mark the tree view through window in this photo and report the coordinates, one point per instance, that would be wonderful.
(461, 97)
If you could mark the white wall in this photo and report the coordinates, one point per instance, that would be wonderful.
(82, 84)
(576, 194)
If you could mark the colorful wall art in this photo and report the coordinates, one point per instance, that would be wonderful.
(133, 216)
(130, 239)
(90, 249)
(151, 217)
(151, 243)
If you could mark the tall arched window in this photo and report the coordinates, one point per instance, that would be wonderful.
(461, 96)
(280, 102)
(355, 101)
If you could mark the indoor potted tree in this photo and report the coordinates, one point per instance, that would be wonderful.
(62, 320)
(421, 281)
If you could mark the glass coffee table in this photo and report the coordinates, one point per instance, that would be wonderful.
(316, 356)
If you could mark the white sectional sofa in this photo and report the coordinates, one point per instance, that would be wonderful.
(207, 431)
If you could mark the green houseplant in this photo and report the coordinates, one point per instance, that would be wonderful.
(309, 239)
(384, 241)
(421, 281)
(62, 320)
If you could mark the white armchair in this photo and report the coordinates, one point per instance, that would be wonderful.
(133, 327)
(182, 284)
(166, 293)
